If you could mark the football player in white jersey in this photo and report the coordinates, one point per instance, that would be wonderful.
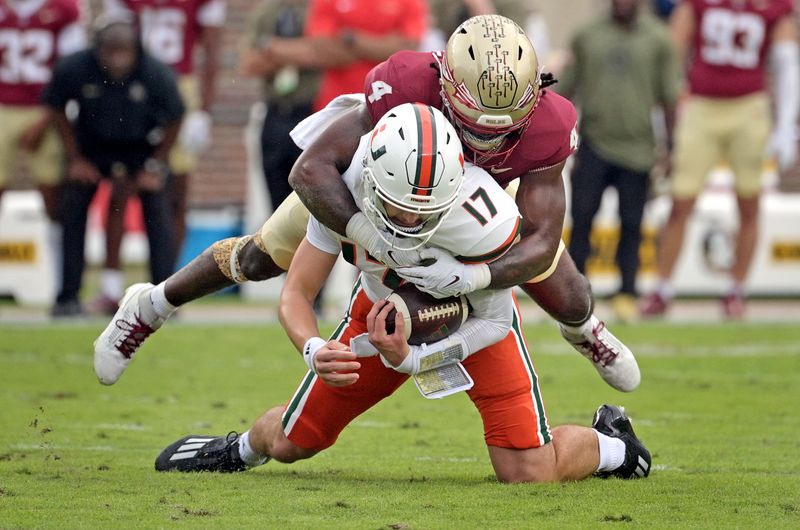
(408, 177)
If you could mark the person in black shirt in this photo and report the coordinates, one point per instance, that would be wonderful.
(129, 115)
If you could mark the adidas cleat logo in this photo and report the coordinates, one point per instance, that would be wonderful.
(642, 467)
(189, 448)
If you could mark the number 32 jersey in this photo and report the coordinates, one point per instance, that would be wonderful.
(731, 42)
(482, 226)
(33, 34)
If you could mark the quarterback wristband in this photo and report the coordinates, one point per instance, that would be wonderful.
(310, 349)
(431, 356)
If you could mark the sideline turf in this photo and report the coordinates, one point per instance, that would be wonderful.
(717, 407)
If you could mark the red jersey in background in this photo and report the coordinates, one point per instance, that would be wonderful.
(731, 41)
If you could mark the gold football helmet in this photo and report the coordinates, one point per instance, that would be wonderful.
(490, 80)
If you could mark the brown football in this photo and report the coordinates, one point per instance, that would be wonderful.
(427, 319)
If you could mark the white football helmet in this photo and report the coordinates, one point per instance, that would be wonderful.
(416, 165)
(490, 81)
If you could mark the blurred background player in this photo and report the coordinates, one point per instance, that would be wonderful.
(129, 115)
(172, 31)
(726, 116)
(288, 88)
(33, 34)
(623, 66)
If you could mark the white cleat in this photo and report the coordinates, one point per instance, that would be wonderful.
(134, 321)
(611, 358)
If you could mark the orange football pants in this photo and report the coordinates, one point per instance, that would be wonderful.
(506, 391)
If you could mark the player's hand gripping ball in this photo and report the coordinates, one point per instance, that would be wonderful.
(427, 319)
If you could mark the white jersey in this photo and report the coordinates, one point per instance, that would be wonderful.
(483, 225)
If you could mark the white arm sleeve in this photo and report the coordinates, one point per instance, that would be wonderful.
(488, 323)
(323, 237)
(786, 65)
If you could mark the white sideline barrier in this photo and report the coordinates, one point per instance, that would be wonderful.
(27, 266)
(709, 246)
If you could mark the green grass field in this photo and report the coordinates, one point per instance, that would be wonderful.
(718, 408)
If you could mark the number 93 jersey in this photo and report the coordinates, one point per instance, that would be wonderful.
(730, 45)
(483, 224)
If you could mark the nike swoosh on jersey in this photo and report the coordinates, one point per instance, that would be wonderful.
(496, 170)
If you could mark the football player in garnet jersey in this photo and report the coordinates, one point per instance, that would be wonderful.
(408, 178)
(489, 85)
(727, 117)
(171, 31)
(33, 34)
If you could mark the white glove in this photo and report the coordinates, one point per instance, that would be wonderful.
(195, 135)
(783, 146)
(446, 276)
(361, 231)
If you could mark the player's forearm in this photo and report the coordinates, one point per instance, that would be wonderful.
(316, 52)
(317, 174)
(489, 320)
(378, 48)
(212, 39)
(324, 193)
(66, 133)
(297, 317)
(526, 260)
(171, 132)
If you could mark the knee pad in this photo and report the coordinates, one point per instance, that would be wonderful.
(226, 255)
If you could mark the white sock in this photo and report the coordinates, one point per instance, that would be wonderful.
(612, 452)
(111, 283)
(160, 303)
(246, 453)
(581, 330)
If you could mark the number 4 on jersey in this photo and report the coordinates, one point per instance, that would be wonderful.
(379, 89)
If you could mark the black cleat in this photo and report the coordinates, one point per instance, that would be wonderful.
(202, 453)
(612, 421)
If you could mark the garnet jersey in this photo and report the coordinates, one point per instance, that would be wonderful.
(33, 34)
(731, 41)
(171, 28)
(413, 77)
(482, 226)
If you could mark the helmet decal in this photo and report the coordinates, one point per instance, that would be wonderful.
(527, 97)
(425, 170)
(490, 81)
